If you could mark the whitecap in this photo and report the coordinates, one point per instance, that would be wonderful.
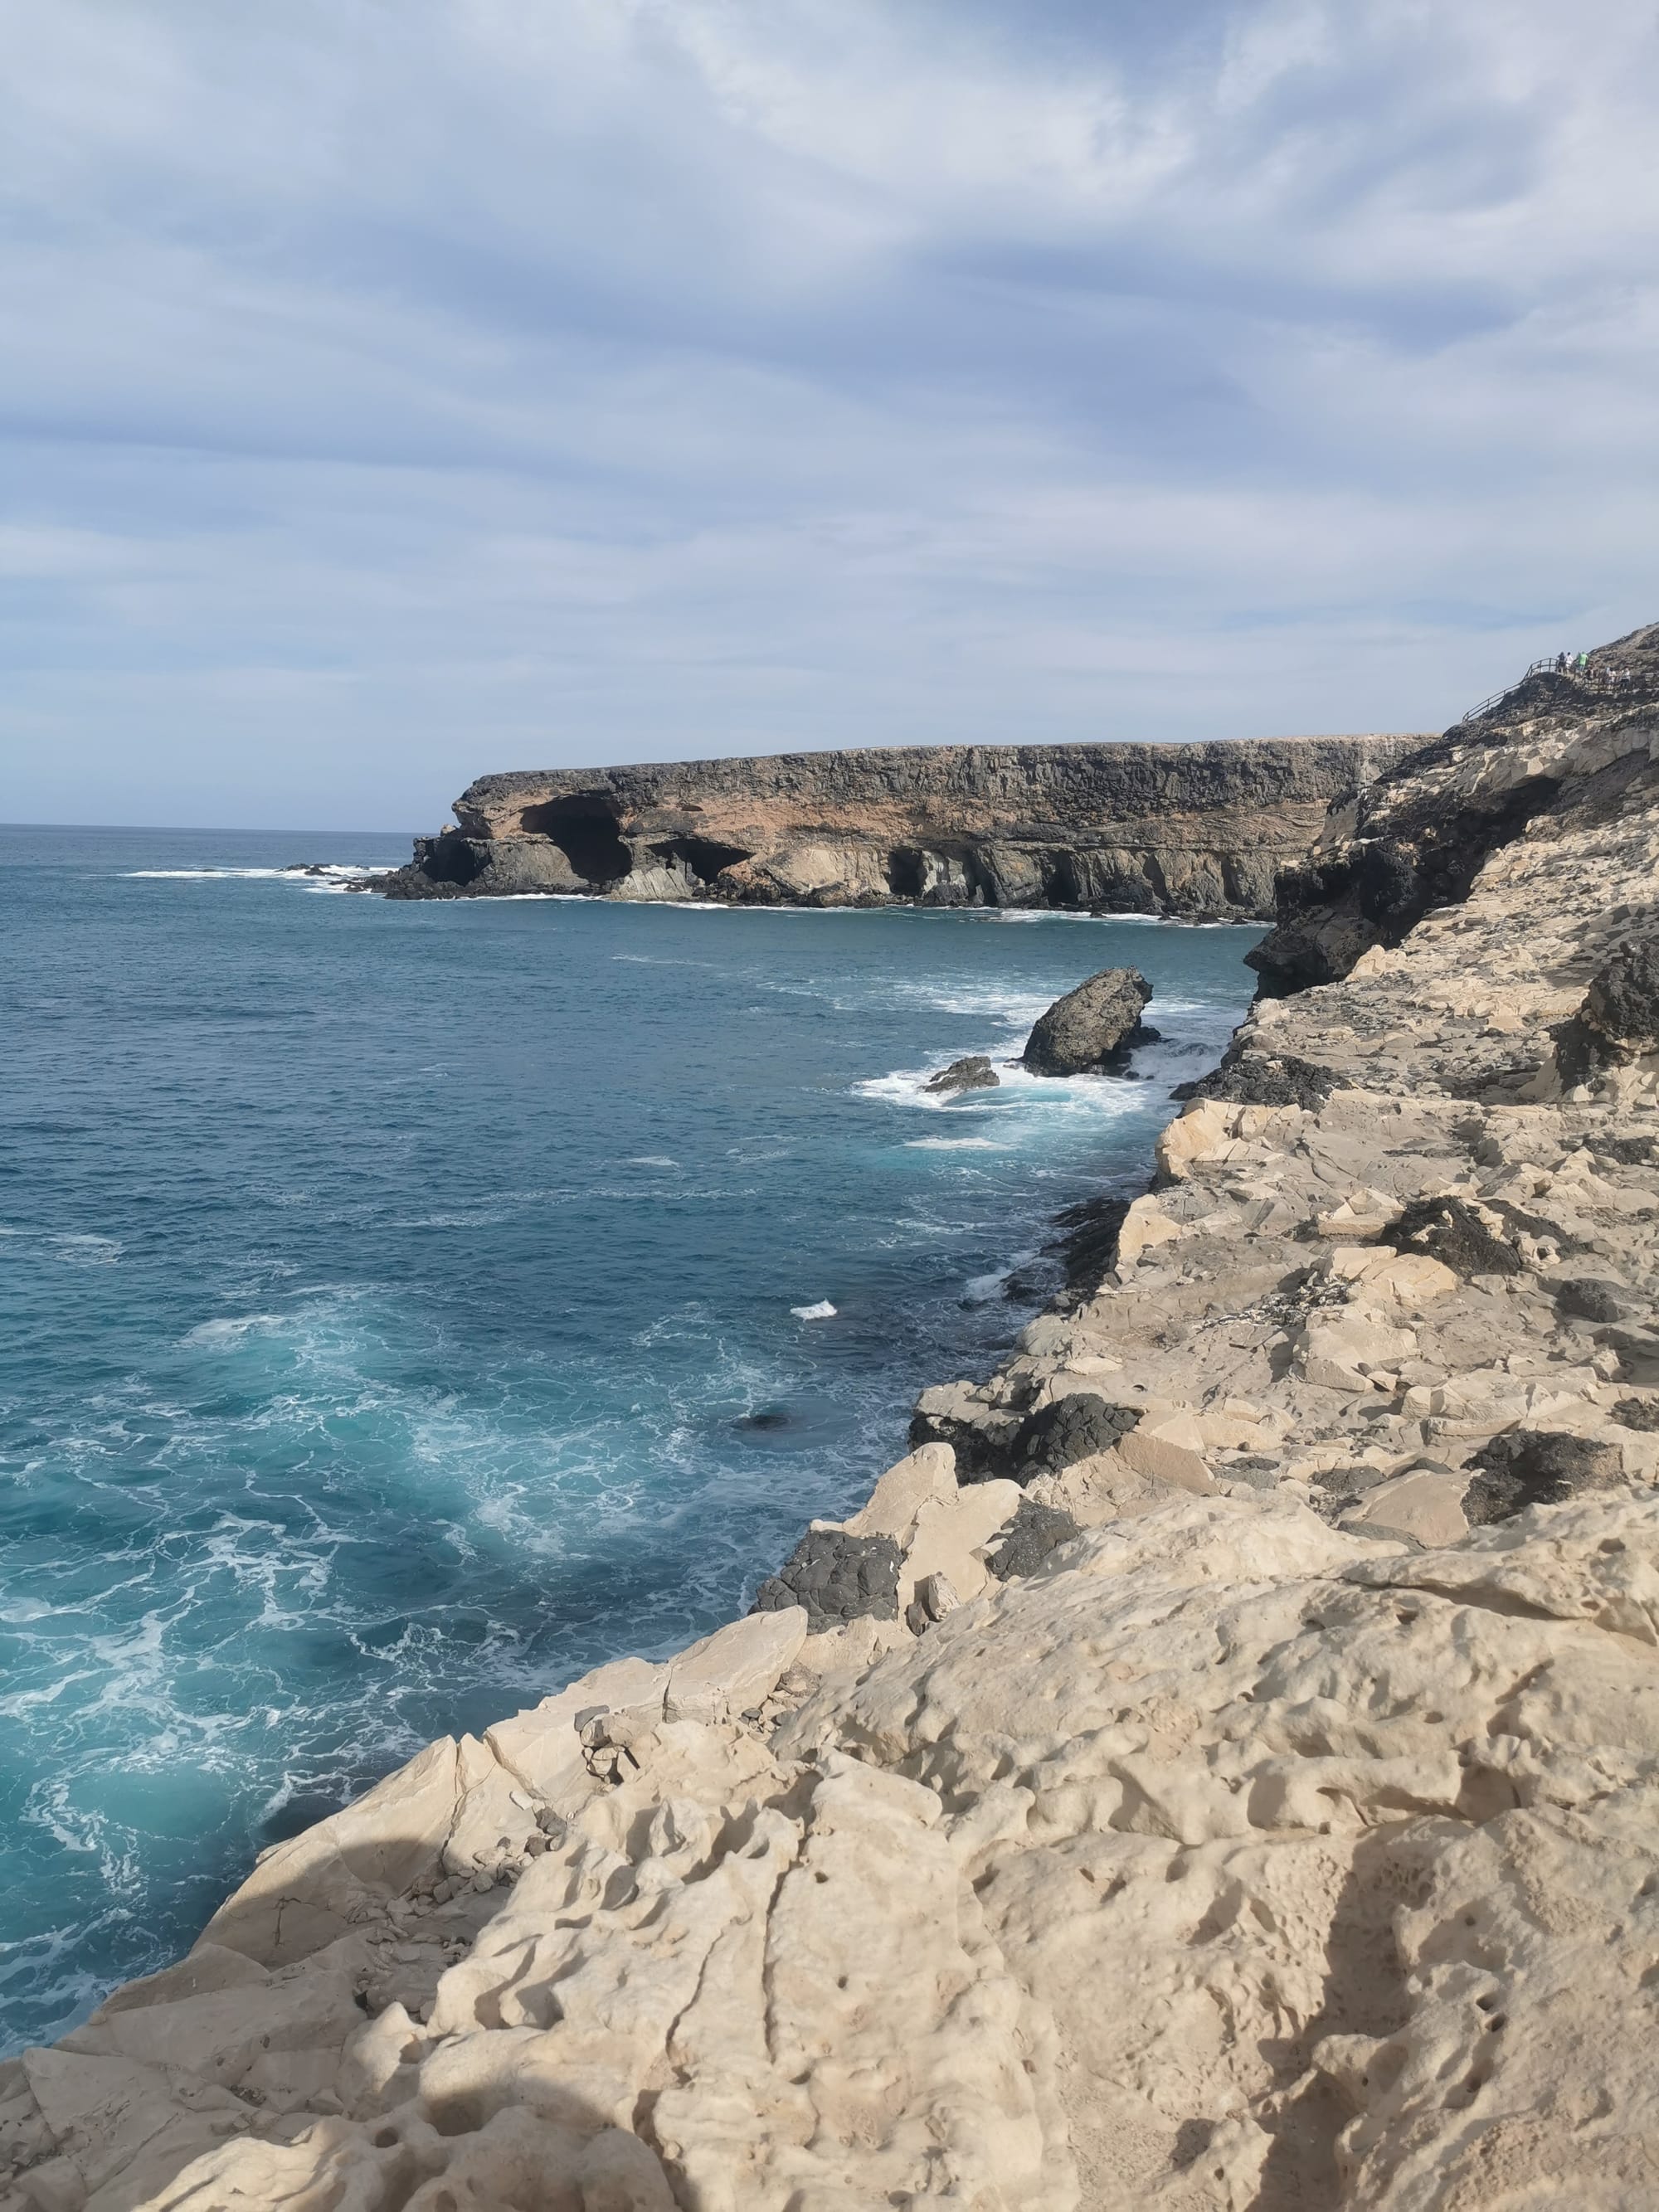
(88, 1251)
(952, 1144)
(822, 1311)
(228, 1331)
(650, 1160)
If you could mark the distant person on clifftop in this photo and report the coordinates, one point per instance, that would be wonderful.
(1560, 664)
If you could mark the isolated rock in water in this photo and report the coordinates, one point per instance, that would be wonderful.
(974, 1073)
(1081, 1031)
(837, 1578)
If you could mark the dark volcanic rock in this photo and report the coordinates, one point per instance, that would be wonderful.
(1081, 1032)
(1451, 1231)
(1035, 1531)
(1592, 1297)
(1088, 1249)
(974, 1073)
(1621, 1013)
(836, 1578)
(1641, 1413)
(1254, 1079)
(1536, 1467)
(1074, 1427)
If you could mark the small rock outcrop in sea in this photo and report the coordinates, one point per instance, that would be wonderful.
(974, 1073)
(1196, 830)
(1216, 1768)
(1091, 1026)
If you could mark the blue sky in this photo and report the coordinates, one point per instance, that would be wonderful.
(394, 391)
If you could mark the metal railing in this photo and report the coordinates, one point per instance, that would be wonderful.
(1594, 681)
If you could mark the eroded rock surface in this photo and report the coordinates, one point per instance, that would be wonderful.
(1191, 830)
(1224, 1776)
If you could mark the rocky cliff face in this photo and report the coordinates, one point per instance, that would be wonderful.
(1216, 1770)
(1187, 830)
(1416, 834)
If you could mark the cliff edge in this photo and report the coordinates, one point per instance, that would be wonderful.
(1219, 1768)
(1196, 830)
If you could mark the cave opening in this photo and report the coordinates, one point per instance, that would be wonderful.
(1061, 886)
(905, 873)
(706, 857)
(584, 830)
(450, 858)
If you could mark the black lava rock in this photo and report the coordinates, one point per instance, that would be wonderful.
(837, 1578)
(1074, 1427)
(1451, 1231)
(1256, 1079)
(1592, 1298)
(1622, 1003)
(1088, 1249)
(974, 1073)
(1536, 1467)
(1637, 1413)
(1035, 1531)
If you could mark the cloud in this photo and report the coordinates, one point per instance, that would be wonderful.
(395, 392)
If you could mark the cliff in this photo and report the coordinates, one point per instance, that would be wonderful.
(1218, 1769)
(1188, 829)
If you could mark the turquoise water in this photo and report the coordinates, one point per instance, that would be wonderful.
(388, 1294)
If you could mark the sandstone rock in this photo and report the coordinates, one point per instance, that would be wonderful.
(1085, 1029)
(735, 1670)
(1428, 1508)
(926, 1476)
(974, 1073)
(1169, 1447)
(949, 1536)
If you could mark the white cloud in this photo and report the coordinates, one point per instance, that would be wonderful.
(397, 391)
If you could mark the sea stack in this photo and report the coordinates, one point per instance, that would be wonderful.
(1090, 1028)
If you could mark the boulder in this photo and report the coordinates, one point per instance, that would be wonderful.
(1083, 1031)
(974, 1073)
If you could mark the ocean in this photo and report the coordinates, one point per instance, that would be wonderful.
(403, 1308)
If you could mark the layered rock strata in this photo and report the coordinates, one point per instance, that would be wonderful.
(1218, 1768)
(1193, 830)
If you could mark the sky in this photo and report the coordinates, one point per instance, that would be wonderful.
(394, 391)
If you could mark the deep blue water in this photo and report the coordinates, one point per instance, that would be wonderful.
(384, 1291)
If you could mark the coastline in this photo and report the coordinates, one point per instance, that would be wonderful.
(1321, 1632)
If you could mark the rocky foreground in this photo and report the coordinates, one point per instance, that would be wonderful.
(1196, 830)
(1219, 1768)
